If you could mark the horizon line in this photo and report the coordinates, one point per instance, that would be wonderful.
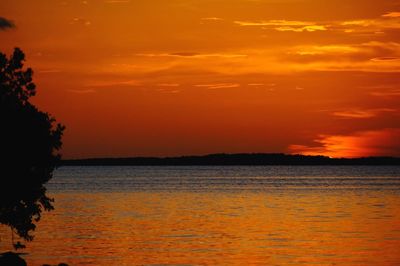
(230, 154)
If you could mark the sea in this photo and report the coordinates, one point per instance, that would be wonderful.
(219, 215)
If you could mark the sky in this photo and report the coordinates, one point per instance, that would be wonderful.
(185, 77)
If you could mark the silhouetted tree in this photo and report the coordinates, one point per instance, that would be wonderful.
(29, 145)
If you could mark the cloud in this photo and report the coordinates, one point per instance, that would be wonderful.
(380, 51)
(360, 113)
(392, 15)
(285, 25)
(389, 21)
(218, 85)
(80, 21)
(168, 84)
(310, 28)
(279, 22)
(385, 58)
(372, 56)
(212, 19)
(379, 25)
(384, 142)
(113, 83)
(323, 49)
(387, 93)
(184, 54)
(363, 23)
(192, 55)
(6, 24)
(255, 84)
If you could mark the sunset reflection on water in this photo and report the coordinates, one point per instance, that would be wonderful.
(130, 217)
(216, 229)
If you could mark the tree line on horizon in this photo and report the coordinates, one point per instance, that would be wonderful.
(236, 159)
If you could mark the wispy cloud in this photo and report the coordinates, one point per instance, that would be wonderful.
(80, 21)
(385, 58)
(192, 55)
(218, 85)
(6, 24)
(388, 21)
(392, 15)
(279, 22)
(285, 25)
(212, 19)
(362, 113)
(323, 49)
(309, 28)
(113, 83)
(384, 142)
(386, 93)
(168, 84)
(370, 57)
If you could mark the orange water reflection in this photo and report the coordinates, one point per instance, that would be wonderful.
(282, 228)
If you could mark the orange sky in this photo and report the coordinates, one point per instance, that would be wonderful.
(178, 77)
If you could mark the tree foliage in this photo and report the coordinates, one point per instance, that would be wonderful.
(29, 144)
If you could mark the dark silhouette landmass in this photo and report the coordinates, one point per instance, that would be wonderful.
(236, 159)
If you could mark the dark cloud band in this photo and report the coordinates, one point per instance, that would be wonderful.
(6, 24)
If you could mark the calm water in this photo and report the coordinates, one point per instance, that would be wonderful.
(279, 215)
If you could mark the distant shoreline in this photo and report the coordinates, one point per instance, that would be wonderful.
(232, 159)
